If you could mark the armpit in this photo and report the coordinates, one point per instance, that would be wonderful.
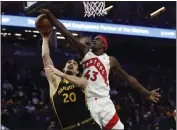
(53, 86)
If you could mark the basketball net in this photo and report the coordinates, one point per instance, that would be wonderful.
(94, 8)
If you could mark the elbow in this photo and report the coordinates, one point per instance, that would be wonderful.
(132, 80)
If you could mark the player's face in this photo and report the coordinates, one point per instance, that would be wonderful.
(71, 67)
(97, 43)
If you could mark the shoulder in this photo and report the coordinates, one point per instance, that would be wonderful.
(112, 58)
(113, 61)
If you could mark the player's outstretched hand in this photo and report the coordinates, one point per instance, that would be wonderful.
(154, 96)
(44, 11)
(53, 70)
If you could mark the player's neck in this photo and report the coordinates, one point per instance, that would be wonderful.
(98, 52)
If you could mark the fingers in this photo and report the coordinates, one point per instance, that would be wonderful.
(157, 99)
(52, 73)
(155, 90)
(158, 95)
(155, 93)
(154, 100)
(49, 66)
(49, 69)
(43, 11)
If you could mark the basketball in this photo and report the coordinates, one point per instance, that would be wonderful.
(43, 25)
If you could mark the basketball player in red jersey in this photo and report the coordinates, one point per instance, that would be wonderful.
(97, 65)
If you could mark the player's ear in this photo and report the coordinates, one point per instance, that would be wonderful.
(77, 72)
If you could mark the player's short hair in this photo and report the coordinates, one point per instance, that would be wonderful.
(80, 67)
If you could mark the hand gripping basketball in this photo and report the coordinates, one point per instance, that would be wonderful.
(43, 25)
(44, 11)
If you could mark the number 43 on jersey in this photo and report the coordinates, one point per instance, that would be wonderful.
(92, 75)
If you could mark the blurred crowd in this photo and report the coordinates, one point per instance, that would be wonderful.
(25, 102)
(138, 113)
(24, 97)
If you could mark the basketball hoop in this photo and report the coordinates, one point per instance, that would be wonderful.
(95, 8)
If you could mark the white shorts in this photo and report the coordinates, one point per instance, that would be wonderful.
(104, 113)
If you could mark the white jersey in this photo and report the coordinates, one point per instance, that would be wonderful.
(96, 70)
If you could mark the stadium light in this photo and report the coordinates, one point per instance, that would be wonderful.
(60, 37)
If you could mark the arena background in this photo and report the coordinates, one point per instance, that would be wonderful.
(25, 94)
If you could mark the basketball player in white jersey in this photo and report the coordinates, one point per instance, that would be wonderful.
(97, 66)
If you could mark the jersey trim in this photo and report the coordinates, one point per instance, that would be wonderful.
(53, 104)
(51, 96)
(78, 124)
(56, 112)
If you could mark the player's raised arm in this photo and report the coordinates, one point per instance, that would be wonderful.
(53, 79)
(78, 81)
(46, 53)
(47, 61)
(46, 31)
(76, 44)
(118, 71)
